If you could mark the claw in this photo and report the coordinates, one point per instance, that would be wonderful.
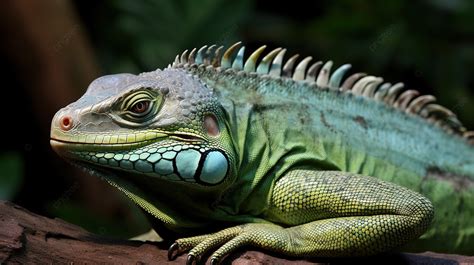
(172, 251)
(191, 259)
(214, 261)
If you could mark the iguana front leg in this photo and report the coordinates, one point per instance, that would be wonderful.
(326, 213)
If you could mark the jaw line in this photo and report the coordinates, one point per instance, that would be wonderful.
(58, 144)
(64, 147)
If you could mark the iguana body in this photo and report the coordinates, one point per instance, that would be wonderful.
(288, 155)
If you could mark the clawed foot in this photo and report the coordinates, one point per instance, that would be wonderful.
(266, 236)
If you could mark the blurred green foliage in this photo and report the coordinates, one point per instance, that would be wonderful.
(74, 212)
(137, 36)
(11, 168)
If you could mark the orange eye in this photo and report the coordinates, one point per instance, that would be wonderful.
(140, 107)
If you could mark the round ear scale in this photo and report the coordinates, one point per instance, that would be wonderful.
(211, 126)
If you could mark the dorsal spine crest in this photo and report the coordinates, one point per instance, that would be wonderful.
(319, 76)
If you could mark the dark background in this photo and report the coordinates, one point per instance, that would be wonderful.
(51, 50)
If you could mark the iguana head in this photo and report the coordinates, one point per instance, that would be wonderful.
(158, 126)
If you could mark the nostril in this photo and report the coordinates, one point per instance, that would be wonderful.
(65, 123)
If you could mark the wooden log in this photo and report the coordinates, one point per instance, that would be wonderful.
(28, 238)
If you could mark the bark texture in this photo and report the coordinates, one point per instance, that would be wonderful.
(28, 238)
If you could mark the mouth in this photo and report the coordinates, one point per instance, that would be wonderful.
(66, 145)
(63, 148)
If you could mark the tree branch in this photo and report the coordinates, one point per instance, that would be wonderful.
(26, 237)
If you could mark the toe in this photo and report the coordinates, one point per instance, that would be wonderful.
(229, 247)
(215, 240)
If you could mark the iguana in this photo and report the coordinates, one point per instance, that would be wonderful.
(226, 152)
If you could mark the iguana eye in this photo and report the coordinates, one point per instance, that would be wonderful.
(141, 107)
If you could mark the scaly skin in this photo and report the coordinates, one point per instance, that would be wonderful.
(297, 167)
